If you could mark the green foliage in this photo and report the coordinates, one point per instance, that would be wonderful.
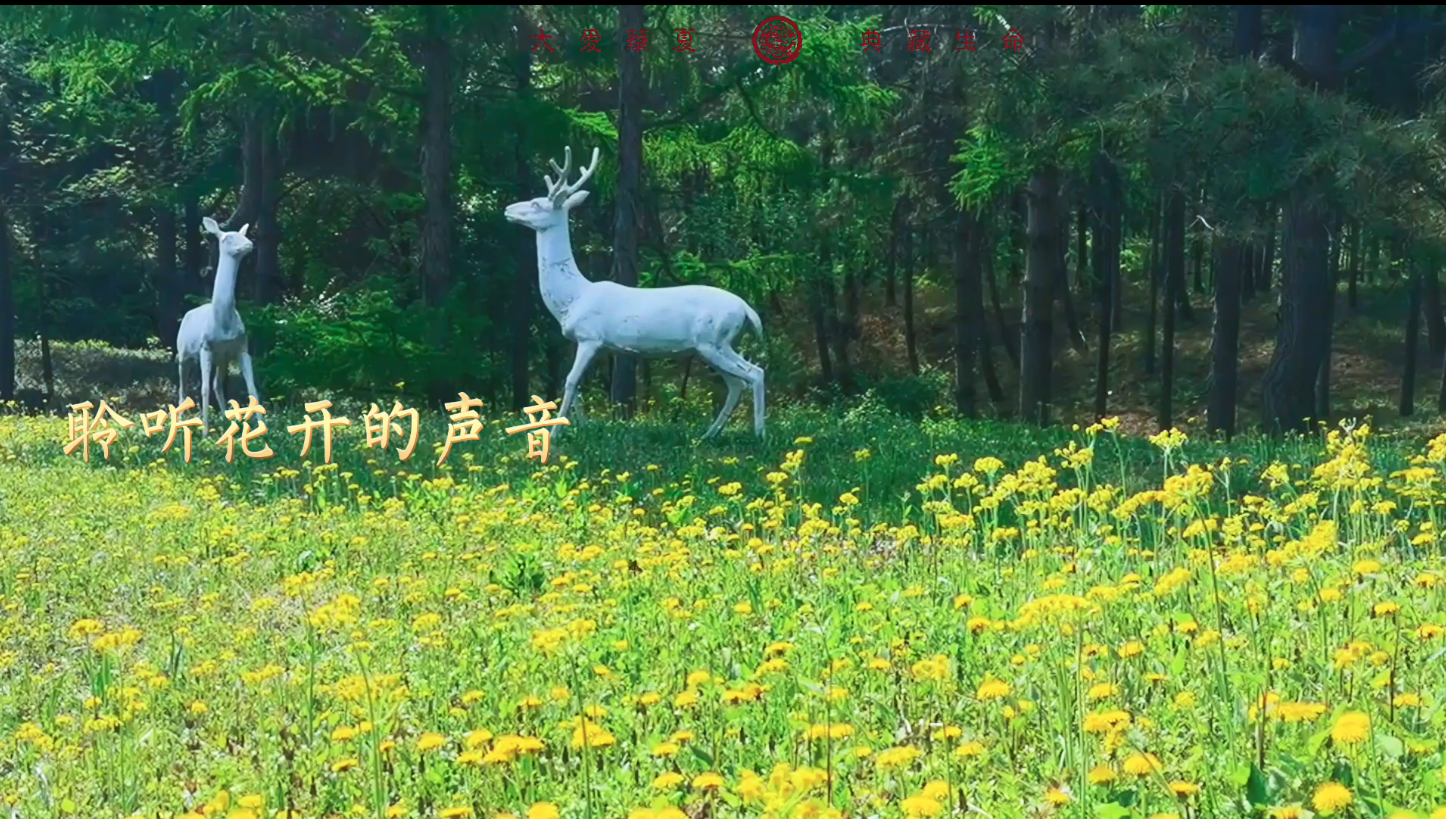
(354, 341)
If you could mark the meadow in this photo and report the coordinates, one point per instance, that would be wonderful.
(863, 617)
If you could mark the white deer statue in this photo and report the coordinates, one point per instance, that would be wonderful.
(668, 322)
(213, 333)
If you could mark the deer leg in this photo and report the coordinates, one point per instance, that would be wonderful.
(586, 352)
(736, 376)
(180, 380)
(752, 374)
(205, 391)
(755, 385)
(222, 366)
(249, 374)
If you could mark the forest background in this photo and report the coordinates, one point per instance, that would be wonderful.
(1155, 212)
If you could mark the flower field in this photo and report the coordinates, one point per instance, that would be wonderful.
(1074, 631)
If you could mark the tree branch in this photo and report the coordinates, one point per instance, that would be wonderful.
(753, 111)
(731, 79)
(1383, 40)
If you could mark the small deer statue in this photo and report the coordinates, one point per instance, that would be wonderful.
(213, 333)
(671, 322)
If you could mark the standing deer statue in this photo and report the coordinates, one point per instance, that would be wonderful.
(668, 322)
(213, 333)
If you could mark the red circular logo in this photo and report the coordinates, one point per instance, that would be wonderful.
(777, 40)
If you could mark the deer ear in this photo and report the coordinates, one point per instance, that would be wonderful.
(574, 200)
(242, 231)
(209, 225)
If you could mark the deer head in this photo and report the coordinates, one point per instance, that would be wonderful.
(546, 212)
(234, 243)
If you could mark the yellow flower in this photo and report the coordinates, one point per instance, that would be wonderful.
(543, 810)
(1142, 764)
(430, 742)
(344, 764)
(1182, 788)
(707, 781)
(992, 690)
(922, 806)
(1101, 775)
(1056, 797)
(1351, 728)
(455, 812)
(971, 748)
(897, 757)
(664, 781)
(1331, 797)
(1299, 711)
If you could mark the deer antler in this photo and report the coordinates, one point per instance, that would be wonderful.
(560, 190)
(555, 188)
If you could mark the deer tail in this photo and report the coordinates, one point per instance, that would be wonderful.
(754, 320)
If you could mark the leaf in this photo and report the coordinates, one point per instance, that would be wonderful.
(1113, 810)
(1393, 748)
(1256, 787)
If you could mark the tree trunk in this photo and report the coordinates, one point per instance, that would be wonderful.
(436, 60)
(1441, 391)
(1152, 273)
(520, 311)
(553, 361)
(892, 264)
(1063, 292)
(968, 310)
(845, 324)
(1117, 287)
(1228, 266)
(170, 287)
(1265, 275)
(821, 328)
(1435, 324)
(1197, 259)
(1081, 250)
(1352, 298)
(910, 341)
(1009, 341)
(42, 321)
(630, 175)
(1041, 272)
(1323, 380)
(1173, 242)
(252, 146)
(195, 247)
(1104, 183)
(838, 333)
(169, 290)
(7, 294)
(1301, 336)
(1413, 332)
(267, 273)
(1230, 257)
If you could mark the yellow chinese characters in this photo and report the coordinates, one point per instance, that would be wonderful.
(241, 414)
(466, 423)
(380, 426)
(540, 441)
(84, 429)
(326, 423)
(153, 422)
